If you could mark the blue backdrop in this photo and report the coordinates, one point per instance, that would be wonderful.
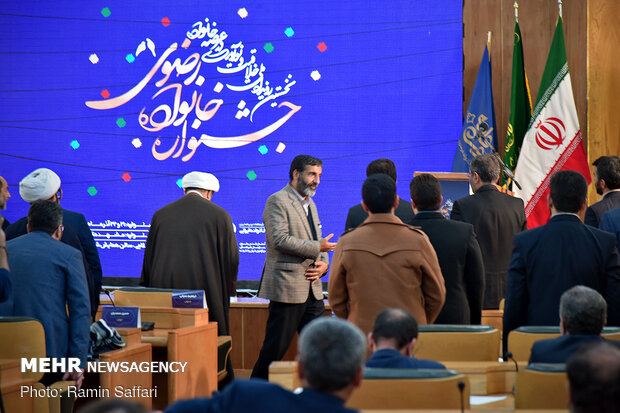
(122, 98)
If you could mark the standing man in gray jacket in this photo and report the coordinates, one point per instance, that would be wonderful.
(296, 260)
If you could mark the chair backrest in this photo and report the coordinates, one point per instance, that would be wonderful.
(541, 386)
(521, 340)
(143, 297)
(457, 343)
(388, 389)
(22, 337)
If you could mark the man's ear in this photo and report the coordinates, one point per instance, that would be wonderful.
(28, 227)
(365, 207)
(57, 235)
(371, 342)
(410, 347)
(396, 201)
(357, 381)
(549, 201)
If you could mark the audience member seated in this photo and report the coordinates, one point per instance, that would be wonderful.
(550, 259)
(5, 278)
(583, 313)
(594, 379)
(48, 278)
(611, 223)
(392, 340)
(331, 354)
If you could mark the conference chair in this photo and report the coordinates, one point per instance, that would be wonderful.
(521, 340)
(541, 386)
(443, 342)
(389, 389)
(24, 337)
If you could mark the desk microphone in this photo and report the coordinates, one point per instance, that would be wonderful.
(483, 127)
(107, 292)
(461, 385)
(508, 356)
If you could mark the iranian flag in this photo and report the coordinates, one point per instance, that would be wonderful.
(553, 140)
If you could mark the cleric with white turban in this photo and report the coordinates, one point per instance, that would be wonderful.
(201, 180)
(40, 184)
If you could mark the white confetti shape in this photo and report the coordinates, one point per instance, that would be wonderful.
(94, 59)
(200, 80)
(218, 87)
(241, 104)
(243, 13)
(136, 142)
(239, 114)
(315, 75)
(246, 112)
(280, 147)
(196, 123)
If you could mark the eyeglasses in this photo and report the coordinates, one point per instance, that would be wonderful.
(59, 193)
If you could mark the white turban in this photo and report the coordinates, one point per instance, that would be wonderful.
(40, 184)
(201, 180)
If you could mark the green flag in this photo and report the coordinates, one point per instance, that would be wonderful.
(520, 104)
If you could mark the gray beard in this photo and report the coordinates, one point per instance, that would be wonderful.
(305, 189)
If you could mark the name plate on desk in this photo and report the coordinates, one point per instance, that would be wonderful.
(128, 317)
(189, 299)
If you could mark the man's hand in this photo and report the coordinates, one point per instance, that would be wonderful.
(315, 272)
(327, 246)
(78, 376)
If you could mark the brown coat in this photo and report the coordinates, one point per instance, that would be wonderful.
(385, 263)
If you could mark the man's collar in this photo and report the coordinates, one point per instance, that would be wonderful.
(564, 213)
(610, 191)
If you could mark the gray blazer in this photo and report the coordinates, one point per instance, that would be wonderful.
(290, 249)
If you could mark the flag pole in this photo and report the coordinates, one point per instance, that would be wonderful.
(516, 6)
(560, 7)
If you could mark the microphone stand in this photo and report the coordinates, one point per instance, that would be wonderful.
(480, 135)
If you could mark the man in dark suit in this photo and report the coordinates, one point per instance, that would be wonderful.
(550, 259)
(583, 313)
(357, 214)
(5, 278)
(49, 284)
(392, 341)
(593, 379)
(607, 183)
(331, 356)
(611, 223)
(4, 197)
(496, 218)
(295, 262)
(44, 184)
(457, 250)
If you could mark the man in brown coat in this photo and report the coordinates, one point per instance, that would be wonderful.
(384, 263)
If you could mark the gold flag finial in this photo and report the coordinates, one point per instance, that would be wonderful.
(516, 6)
(489, 39)
(560, 7)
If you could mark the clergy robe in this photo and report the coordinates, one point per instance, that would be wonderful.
(191, 245)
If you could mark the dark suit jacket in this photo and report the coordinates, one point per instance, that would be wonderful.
(5, 224)
(496, 218)
(393, 359)
(77, 234)
(595, 212)
(559, 349)
(461, 265)
(357, 215)
(257, 395)
(5, 285)
(48, 279)
(552, 258)
(611, 223)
